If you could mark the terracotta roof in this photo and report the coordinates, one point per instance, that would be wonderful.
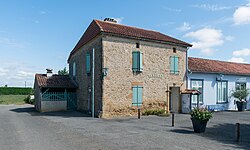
(215, 66)
(97, 26)
(56, 81)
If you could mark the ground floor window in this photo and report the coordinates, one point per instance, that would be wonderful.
(197, 84)
(222, 91)
(240, 85)
(137, 96)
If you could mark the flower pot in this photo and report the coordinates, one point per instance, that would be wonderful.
(241, 106)
(199, 125)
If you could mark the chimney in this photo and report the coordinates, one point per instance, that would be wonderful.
(110, 20)
(49, 72)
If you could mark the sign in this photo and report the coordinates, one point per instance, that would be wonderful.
(154, 75)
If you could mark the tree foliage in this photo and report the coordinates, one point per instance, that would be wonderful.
(240, 94)
(64, 71)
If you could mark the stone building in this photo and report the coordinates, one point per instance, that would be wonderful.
(133, 68)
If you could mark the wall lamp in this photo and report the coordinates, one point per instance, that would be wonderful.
(104, 72)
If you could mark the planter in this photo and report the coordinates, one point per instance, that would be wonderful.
(199, 125)
(241, 106)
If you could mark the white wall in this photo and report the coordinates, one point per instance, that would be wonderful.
(210, 88)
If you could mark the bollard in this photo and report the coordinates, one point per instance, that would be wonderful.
(139, 113)
(172, 119)
(237, 132)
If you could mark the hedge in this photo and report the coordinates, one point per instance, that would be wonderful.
(15, 91)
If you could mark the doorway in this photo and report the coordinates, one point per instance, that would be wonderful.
(174, 99)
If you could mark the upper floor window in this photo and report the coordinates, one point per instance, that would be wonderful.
(74, 69)
(197, 84)
(137, 61)
(88, 63)
(137, 45)
(174, 62)
(222, 91)
(174, 50)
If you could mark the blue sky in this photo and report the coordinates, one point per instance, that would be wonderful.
(39, 34)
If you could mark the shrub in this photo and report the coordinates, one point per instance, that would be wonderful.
(28, 100)
(153, 112)
(201, 114)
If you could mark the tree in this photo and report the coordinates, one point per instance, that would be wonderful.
(64, 71)
(240, 94)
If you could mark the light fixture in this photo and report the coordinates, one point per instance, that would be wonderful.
(104, 72)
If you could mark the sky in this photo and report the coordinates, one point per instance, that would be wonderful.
(39, 34)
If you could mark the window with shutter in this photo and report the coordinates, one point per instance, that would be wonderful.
(74, 69)
(174, 64)
(137, 96)
(137, 61)
(87, 63)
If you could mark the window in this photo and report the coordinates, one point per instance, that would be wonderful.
(137, 45)
(74, 69)
(222, 93)
(240, 86)
(174, 60)
(174, 50)
(137, 61)
(197, 85)
(87, 63)
(137, 96)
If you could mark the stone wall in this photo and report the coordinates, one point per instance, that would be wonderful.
(84, 80)
(155, 77)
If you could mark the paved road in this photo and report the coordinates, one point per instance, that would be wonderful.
(22, 128)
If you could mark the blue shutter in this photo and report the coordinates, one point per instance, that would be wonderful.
(87, 63)
(74, 69)
(134, 99)
(172, 64)
(140, 57)
(135, 61)
(139, 96)
(176, 63)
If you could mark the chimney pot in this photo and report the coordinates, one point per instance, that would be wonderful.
(110, 20)
(49, 72)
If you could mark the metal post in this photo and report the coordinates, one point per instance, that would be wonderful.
(237, 132)
(172, 119)
(93, 83)
(198, 101)
(139, 113)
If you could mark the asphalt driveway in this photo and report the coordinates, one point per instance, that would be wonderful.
(21, 127)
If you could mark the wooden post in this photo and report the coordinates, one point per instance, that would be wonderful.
(139, 113)
(198, 101)
(172, 119)
(237, 132)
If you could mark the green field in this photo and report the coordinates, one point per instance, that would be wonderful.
(12, 99)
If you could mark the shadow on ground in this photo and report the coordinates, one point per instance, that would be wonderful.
(226, 133)
(66, 114)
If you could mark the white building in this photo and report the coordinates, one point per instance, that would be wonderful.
(216, 80)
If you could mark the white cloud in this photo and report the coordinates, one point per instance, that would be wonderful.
(185, 27)
(242, 15)
(212, 7)
(237, 59)
(206, 39)
(172, 9)
(11, 43)
(3, 72)
(243, 52)
(42, 12)
(119, 20)
(229, 38)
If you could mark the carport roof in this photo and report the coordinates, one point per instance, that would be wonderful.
(55, 81)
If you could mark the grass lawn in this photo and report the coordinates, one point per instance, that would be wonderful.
(12, 99)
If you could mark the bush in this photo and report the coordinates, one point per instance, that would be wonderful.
(15, 91)
(28, 100)
(153, 112)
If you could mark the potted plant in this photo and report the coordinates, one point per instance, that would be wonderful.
(200, 117)
(241, 96)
